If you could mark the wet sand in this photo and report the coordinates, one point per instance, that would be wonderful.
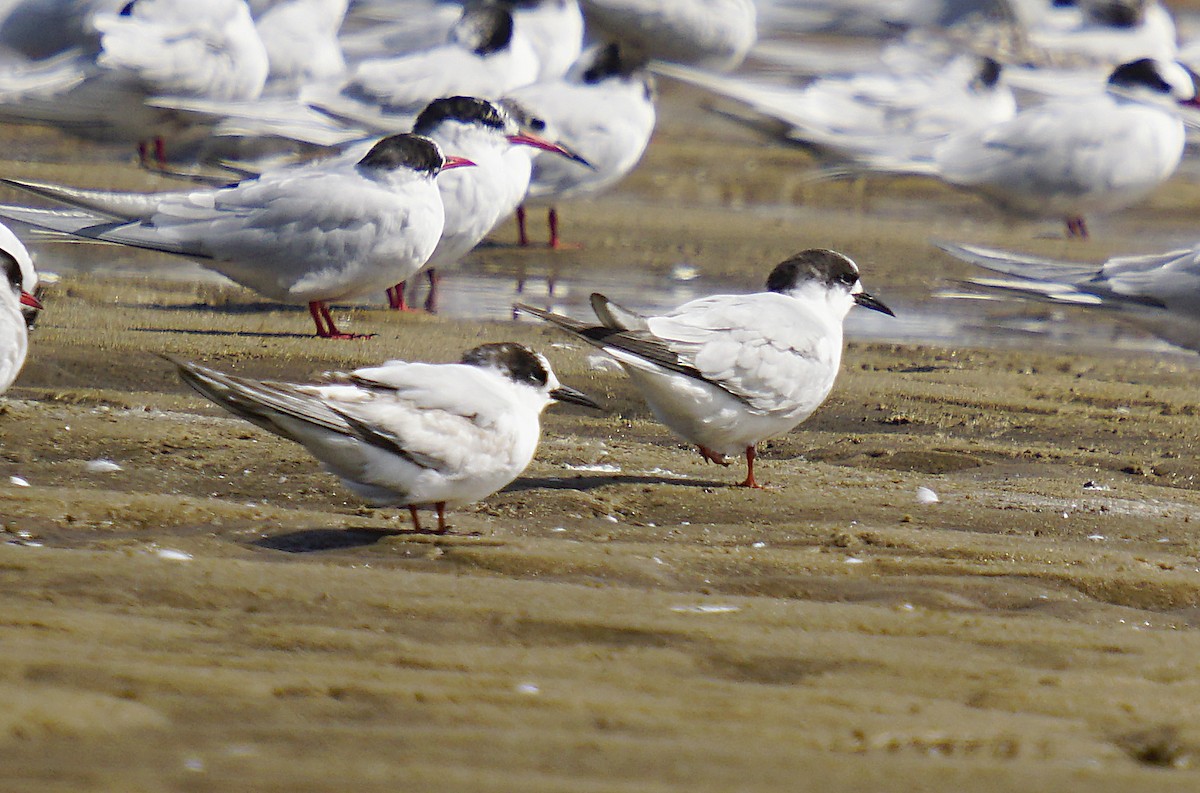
(220, 615)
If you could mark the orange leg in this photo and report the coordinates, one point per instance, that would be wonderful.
(711, 456)
(522, 236)
(324, 322)
(395, 295)
(751, 453)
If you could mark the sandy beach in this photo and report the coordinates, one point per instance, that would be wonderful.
(218, 614)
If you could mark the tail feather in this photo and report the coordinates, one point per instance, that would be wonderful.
(615, 316)
(88, 225)
(1020, 265)
(259, 402)
(1042, 290)
(114, 204)
(568, 324)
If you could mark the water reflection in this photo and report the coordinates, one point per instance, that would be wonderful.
(487, 286)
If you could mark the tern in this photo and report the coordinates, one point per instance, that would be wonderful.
(16, 296)
(309, 234)
(409, 434)
(727, 371)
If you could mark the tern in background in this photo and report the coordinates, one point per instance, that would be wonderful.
(309, 234)
(603, 111)
(16, 297)
(1159, 292)
(1070, 156)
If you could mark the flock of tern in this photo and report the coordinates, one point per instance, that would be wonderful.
(380, 139)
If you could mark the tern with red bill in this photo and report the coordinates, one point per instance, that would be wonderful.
(309, 234)
(16, 297)
(476, 199)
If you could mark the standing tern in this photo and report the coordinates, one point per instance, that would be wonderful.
(603, 110)
(148, 48)
(328, 230)
(486, 56)
(727, 371)
(476, 199)
(409, 434)
(1070, 156)
(16, 296)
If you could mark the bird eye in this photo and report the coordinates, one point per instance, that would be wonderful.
(849, 279)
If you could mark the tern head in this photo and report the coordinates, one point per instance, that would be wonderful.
(416, 153)
(483, 28)
(21, 281)
(823, 276)
(1121, 14)
(987, 77)
(1154, 81)
(494, 118)
(526, 368)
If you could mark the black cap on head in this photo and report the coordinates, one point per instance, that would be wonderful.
(12, 271)
(816, 264)
(483, 29)
(610, 61)
(1140, 73)
(467, 109)
(989, 73)
(405, 150)
(518, 362)
(1117, 13)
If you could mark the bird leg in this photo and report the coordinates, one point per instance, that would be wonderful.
(159, 161)
(324, 322)
(395, 295)
(440, 507)
(751, 453)
(431, 298)
(556, 244)
(1077, 227)
(711, 456)
(522, 236)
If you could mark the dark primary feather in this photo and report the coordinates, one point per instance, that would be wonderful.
(259, 402)
(641, 343)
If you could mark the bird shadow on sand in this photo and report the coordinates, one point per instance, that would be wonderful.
(604, 480)
(313, 540)
(256, 334)
(241, 309)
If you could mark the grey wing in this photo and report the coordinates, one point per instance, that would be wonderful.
(765, 349)
(92, 226)
(260, 402)
(263, 403)
(637, 347)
